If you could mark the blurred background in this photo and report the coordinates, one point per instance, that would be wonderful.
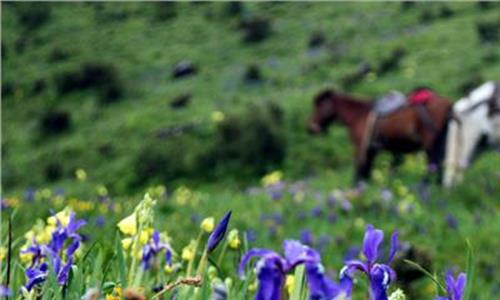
(201, 100)
(142, 93)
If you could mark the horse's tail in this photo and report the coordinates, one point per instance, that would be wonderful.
(454, 141)
(438, 150)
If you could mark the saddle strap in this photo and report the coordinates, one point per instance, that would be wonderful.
(367, 135)
(426, 117)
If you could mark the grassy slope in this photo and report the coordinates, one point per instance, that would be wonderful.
(442, 54)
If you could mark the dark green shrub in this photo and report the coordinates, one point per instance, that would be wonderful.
(55, 122)
(165, 10)
(102, 77)
(33, 14)
(488, 31)
(170, 155)
(255, 28)
(53, 171)
(249, 143)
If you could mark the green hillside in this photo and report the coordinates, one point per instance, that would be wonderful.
(136, 46)
(197, 102)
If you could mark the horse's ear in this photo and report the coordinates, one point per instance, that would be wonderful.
(324, 95)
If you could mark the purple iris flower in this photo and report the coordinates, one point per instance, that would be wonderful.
(62, 234)
(317, 211)
(54, 250)
(5, 291)
(272, 269)
(218, 234)
(36, 275)
(306, 237)
(29, 194)
(250, 235)
(36, 251)
(154, 247)
(380, 275)
(454, 288)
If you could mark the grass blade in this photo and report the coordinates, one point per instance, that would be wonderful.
(122, 267)
(427, 273)
(470, 268)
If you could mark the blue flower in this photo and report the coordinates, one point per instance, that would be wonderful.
(272, 269)
(5, 291)
(54, 250)
(379, 275)
(454, 288)
(35, 275)
(218, 234)
(154, 247)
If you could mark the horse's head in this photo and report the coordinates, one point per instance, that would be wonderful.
(324, 112)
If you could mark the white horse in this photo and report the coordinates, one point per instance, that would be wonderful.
(477, 117)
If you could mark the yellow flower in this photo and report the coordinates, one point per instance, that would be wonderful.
(25, 258)
(145, 235)
(290, 281)
(208, 224)
(102, 190)
(126, 243)
(128, 225)
(359, 223)
(252, 287)
(272, 178)
(3, 253)
(168, 268)
(62, 216)
(116, 295)
(80, 174)
(218, 116)
(228, 282)
(233, 239)
(299, 197)
(187, 253)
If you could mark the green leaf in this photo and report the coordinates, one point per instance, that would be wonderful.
(298, 284)
(122, 266)
(470, 269)
(97, 266)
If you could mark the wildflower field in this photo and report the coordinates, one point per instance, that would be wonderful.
(159, 151)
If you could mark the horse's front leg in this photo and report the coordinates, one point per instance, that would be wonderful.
(364, 165)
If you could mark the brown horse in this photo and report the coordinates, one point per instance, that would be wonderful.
(409, 129)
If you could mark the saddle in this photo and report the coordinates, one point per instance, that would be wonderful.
(389, 103)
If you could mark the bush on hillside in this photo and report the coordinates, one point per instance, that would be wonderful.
(253, 141)
(102, 77)
(164, 11)
(33, 14)
(55, 122)
(53, 171)
(58, 54)
(488, 31)
(234, 8)
(164, 160)
(255, 28)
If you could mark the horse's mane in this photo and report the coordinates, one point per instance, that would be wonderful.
(323, 95)
(330, 93)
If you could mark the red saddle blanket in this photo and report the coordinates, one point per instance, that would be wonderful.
(420, 96)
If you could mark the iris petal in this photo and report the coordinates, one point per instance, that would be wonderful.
(256, 252)
(297, 253)
(394, 246)
(373, 239)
